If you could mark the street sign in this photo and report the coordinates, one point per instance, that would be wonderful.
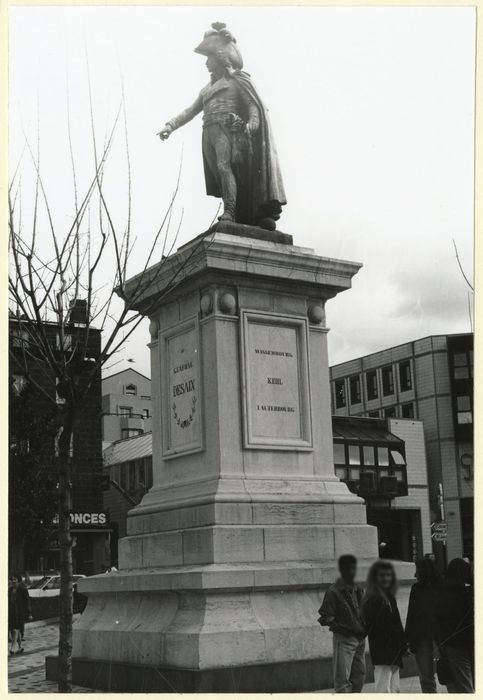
(441, 527)
(439, 537)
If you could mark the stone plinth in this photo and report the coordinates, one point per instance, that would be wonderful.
(227, 557)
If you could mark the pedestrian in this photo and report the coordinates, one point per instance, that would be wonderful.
(341, 612)
(24, 593)
(455, 626)
(421, 621)
(16, 615)
(387, 641)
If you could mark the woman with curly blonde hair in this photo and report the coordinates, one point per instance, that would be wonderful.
(387, 642)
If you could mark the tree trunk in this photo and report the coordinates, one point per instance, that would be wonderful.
(65, 545)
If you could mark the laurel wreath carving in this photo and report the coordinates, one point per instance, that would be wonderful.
(186, 422)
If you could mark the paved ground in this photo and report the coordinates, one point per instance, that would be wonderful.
(26, 672)
(408, 685)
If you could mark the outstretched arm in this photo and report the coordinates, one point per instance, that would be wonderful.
(185, 116)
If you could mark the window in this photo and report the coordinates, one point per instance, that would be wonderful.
(146, 398)
(383, 456)
(67, 342)
(18, 383)
(125, 410)
(405, 381)
(397, 457)
(390, 412)
(407, 410)
(354, 454)
(369, 456)
(131, 390)
(130, 432)
(460, 359)
(339, 453)
(464, 410)
(355, 389)
(340, 397)
(53, 584)
(146, 412)
(20, 338)
(341, 473)
(19, 446)
(462, 362)
(371, 385)
(387, 381)
(373, 414)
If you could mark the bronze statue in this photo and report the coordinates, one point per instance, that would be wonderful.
(239, 155)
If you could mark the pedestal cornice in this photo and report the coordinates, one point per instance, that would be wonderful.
(222, 256)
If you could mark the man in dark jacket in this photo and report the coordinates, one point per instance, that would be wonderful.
(455, 631)
(341, 613)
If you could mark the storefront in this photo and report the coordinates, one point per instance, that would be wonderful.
(90, 545)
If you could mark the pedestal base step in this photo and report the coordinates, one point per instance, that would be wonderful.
(118, 677)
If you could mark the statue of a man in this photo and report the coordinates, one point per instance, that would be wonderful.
(239, 155)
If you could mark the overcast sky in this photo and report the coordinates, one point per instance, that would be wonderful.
(372, 111)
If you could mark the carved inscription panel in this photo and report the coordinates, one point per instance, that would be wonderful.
(276, 392)
(181, 389)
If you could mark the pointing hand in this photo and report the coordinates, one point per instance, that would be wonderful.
(164, 133)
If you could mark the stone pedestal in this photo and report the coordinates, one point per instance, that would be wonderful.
(227, 556)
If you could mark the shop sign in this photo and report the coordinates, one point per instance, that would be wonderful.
(85, 519)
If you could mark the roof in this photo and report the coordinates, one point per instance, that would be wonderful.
(129, 449)
(366, 430)
(128, 369)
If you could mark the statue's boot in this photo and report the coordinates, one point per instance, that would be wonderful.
(228, 210)
(267, 223)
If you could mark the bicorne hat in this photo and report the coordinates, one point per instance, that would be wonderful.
(218, 41)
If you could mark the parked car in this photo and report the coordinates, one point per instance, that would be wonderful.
(33, 577)
(49, 586)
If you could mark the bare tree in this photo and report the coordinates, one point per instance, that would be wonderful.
(471, 290)
(63, 288)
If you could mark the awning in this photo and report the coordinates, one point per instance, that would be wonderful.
(367, 430)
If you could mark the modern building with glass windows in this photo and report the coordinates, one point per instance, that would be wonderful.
(430, 380)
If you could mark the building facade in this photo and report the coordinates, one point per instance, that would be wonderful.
(128, 469)
(89, 526)
(126, 405)
(430, 380)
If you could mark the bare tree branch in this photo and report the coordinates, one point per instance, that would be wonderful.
(461, 268)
